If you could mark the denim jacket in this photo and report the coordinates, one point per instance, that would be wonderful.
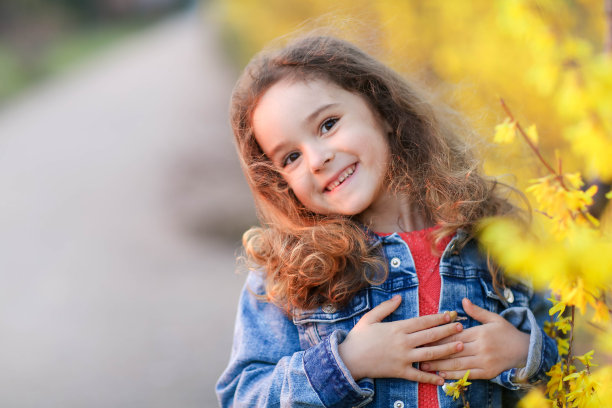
(294, 362)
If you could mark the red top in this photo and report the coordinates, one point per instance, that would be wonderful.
(427, 267)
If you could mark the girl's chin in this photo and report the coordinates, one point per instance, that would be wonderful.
(351, 211)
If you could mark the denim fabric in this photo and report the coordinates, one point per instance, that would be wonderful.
(294, 362)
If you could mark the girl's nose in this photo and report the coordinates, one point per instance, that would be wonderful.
(319, 159)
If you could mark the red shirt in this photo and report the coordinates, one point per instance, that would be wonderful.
(427, 266)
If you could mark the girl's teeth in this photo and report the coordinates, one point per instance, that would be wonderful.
(342, 177)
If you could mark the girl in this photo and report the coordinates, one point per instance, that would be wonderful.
(369, 288)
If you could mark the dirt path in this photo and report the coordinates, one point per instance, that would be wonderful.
(121, 198)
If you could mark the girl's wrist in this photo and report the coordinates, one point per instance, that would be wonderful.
(350, 362)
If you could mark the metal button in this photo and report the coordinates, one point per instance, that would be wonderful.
(508, 295)
(398, 404)
(395, 262)
(329, 308)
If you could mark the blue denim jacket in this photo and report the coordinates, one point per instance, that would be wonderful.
(294, 362)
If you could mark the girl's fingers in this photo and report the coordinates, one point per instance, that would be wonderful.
(435, 352)
(465, 336)
(412, 374)
(381, 311)
(434, 334)
(478, 313)
(425, 322)
(475, 374)
(449, 339)
(450, 365)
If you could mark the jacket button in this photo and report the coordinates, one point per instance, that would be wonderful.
(509, 295)
(395, 262)
(398, 404)
(329, 308)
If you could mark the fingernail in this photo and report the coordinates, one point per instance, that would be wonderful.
(440, 382)
(425, 367)
(453, 315)
(459, 327)
(459, 346)
(447, 317)
(442, 374)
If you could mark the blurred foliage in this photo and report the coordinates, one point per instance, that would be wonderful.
(40, 38)
(551, 62)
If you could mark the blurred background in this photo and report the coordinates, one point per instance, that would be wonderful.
(122, 203)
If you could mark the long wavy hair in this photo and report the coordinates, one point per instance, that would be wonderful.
(311, 259)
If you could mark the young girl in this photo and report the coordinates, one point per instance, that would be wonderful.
(369, 288)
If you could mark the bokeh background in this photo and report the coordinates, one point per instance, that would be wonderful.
(122, 204)
(121, 200)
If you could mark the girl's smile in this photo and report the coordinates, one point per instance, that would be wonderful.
(344, 175)
(328, 144)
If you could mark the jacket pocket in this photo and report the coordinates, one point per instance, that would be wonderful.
(511, 295)
(319, 323)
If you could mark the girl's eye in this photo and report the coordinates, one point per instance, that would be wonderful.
(328, 124)
(290, 158)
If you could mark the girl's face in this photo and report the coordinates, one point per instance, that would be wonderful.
(328, 144)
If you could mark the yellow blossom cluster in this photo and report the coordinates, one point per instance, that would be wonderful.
(578, 269)
(561, 200)
(588, 391)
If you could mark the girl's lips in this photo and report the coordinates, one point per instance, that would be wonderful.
(341, 178)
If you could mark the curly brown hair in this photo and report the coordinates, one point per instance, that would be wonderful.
(310, 259)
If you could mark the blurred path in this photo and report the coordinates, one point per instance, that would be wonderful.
(113, 291)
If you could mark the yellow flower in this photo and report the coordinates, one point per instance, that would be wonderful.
(549, 328)
(577, 296)
(558, 306)
(505, 132)
(574, 179)
(562, 346)
(555, 384)
(563, 324)
(561, 199)
(455, 389)
(583, 388)
(587, 359)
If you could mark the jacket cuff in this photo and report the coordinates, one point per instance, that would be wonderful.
(329, 376)
(542, 354)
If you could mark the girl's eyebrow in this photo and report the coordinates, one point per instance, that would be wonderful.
(317, 111)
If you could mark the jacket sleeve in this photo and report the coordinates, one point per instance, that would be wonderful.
(268, 368)
(542, 353)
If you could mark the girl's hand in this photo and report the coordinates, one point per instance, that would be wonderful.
(387, 350)
(489, 349)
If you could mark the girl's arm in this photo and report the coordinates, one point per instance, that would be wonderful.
(268, 367)
(510, 348)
